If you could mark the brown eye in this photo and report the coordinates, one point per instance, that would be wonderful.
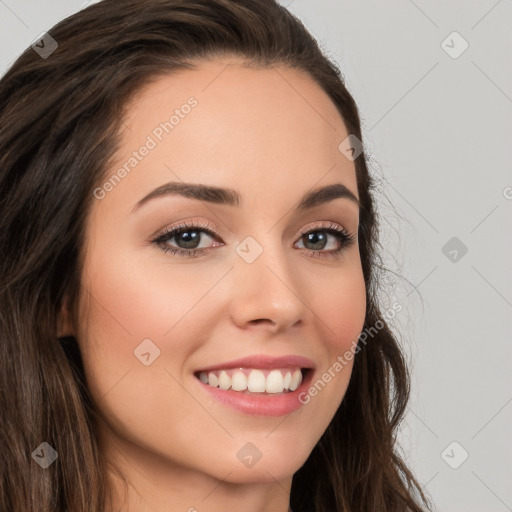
(187, 239)
(316, 240)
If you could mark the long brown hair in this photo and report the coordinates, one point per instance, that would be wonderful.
(59, 125)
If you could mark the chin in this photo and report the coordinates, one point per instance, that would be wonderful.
(275, 465)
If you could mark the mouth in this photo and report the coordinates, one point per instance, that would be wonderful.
(256, 381)
(258, 385)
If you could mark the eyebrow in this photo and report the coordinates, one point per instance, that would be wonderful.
(230, 197)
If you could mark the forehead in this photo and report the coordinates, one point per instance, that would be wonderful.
(249, 128)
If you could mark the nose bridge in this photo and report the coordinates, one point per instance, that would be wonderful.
(266, 287)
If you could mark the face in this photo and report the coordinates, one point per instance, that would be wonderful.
(254, 273)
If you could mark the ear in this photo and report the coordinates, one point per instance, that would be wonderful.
(64, 323)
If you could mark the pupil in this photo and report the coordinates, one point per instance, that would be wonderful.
(190, 239)
(314, 237)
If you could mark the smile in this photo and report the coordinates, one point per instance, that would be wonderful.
(259, 385)
(253, 380)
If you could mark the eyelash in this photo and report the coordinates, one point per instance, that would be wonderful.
(345, 239)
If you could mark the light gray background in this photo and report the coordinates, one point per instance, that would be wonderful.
(438, 130)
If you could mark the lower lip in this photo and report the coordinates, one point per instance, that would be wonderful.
(264, 405)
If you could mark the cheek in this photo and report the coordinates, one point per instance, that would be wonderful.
(131, 301)
(130, 317)
(340, 312)
(133, 313)
(342, 308)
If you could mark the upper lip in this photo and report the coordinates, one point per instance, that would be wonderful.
(263, 362)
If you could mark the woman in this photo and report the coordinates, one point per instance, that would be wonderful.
(189, 272)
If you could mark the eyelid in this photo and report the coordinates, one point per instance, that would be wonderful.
(212, 230)
(321, 225)
(208, 227)
(345, 238)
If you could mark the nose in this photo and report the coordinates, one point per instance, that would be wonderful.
(267, 294)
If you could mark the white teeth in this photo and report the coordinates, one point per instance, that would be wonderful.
(224, 380)
(274, 382)
(239, 381)
(287, 379)
(296, 380)
(254, 381)
(213, 380)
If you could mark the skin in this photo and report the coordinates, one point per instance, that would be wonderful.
(250, 131)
